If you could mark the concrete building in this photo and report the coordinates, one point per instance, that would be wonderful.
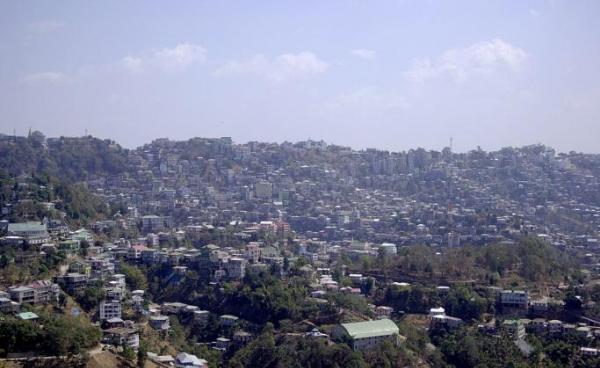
(185, 360)
(368, 335)
(252, 252)
(382, 311)
(22, 294)
(122, 336)
(264, 190)
(201, 316)
(236, 268)
(109, 309)
(443, 321)
(8, 306)
(440, 311)
(227, 320)
(72, 281)
(37, 292)
(159, 322)
(388, 248)
(514, 298)
(30, 232)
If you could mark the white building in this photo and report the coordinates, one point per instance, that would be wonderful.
(388, 248)
(185, 360)
(434, 312)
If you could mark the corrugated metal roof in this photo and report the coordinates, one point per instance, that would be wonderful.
(27, 316)
(381, 327)
(26, 227)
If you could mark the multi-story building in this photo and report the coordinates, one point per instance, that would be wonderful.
(388, 248)
(72, 281)
(109, 309)
(122, 336)
(150, 256)
(252, 252)
(383, 311)
(185, 360)
(236, 268)
(368, 335)
(514, 298)
(8, 306)
(37, 292)
(22, 294)
(134, 253)
(30, 232)
(264, 190)
(443, 321)
(102, 268)
(154, 224)
(159, 322)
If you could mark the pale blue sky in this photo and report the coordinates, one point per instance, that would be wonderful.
(384, 74)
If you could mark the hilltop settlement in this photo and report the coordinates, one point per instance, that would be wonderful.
(209, 253)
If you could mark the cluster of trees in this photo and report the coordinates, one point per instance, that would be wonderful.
(134, 277)
(463, 348)
(14, 270)
(263, 297)
(56, 172)
(269, 350)
(73, 159)
(460, 301)
(530, 259)
(28, 198)
(90, 297)
(467, 348)
(52, 335)
(259, 298)
(533, 260)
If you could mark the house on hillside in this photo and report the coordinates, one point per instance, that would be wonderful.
(365, 336)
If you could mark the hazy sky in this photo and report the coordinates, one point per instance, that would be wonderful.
(384, 74)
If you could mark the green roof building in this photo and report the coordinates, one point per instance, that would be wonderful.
(32, 232)
(27, 316)
(367, 335)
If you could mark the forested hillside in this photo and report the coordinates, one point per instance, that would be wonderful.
(72, 159)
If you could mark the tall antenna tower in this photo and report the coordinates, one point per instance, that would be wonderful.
(450, 144)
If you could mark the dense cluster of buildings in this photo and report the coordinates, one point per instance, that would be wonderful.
(225, 210)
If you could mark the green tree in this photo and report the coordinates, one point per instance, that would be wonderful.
(134, 277)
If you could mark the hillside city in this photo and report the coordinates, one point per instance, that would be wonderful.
(212, 253)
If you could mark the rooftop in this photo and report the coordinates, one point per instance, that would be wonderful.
(366, 329)
(26, 227)
(26, 316)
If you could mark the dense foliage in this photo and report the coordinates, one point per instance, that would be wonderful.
(29, 197)
(73, 159)
(288, 351)
(53, 335)
(529, 260)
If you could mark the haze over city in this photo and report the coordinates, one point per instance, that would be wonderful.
(299, 184)
(395, 76)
